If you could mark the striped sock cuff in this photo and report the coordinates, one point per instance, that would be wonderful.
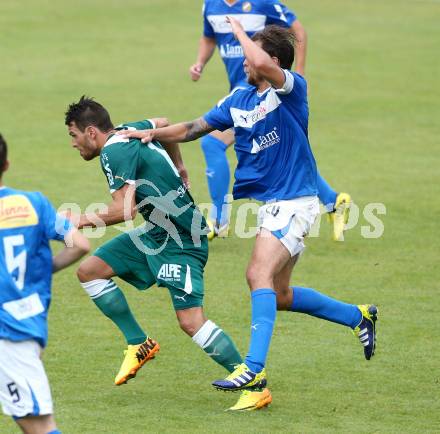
(98, 287)
(206, 334)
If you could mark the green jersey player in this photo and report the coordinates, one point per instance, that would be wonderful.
(169, 249)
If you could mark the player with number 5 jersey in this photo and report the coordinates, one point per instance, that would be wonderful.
(27, 223)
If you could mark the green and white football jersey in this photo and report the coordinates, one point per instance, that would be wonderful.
(164, 202)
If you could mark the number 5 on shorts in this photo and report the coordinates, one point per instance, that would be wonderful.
(12, 387)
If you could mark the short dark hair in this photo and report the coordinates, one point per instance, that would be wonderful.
(87, 112)
(277, 42)
(3, 154)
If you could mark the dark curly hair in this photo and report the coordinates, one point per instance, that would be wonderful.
(277, 42)
(87, 112)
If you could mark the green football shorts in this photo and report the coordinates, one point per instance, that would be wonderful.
(142, 263)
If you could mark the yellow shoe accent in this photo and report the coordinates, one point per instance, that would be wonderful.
(252, 400)
(217, 231)
(211, 233)
(366, 329)
(339, 217)
(135, 357)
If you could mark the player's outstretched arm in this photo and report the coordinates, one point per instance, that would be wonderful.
(299, 32)
(257, 58)
(122, 208)
(206, 50)
(76, 246)
(182, 132)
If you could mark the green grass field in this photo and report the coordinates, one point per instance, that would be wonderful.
(373, 70)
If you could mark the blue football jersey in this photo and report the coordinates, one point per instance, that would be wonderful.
(27, 222)
(275, 161)
(253, 15)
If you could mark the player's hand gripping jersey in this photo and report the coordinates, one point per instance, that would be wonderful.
(275, 161)
(27, 223)
(253, 15)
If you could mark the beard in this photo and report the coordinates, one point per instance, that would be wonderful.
(88, 155)
(253, 79)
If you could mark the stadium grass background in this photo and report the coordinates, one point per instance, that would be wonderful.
(373, 72)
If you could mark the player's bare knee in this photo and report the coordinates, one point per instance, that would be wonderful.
(191, 320)
(189, 326)
(94, 268)
(251, 274)
(85, 272)
(258, 277)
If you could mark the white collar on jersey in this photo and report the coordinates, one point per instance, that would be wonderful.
(260, 94)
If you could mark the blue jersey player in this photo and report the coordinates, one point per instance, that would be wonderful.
(254, 16)
(275, 166)
(27, 223)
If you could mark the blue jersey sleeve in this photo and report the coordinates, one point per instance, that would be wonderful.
(220, 117)
(278, 14)
(208, 31)
(55, 226)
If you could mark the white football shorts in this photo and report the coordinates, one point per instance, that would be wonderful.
(290, 220)
(24, 387)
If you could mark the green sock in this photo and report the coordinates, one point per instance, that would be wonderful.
(114, 306)
(218, 345)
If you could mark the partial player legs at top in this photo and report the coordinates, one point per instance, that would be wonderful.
(337, 206)
(326, 194)
(214, 147)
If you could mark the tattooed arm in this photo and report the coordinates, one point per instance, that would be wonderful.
(182, 132)
(196, 129)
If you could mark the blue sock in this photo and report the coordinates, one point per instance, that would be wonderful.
(326, 194)
(264, 309)
(217, 174)
(54, 432)
(307, 300)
